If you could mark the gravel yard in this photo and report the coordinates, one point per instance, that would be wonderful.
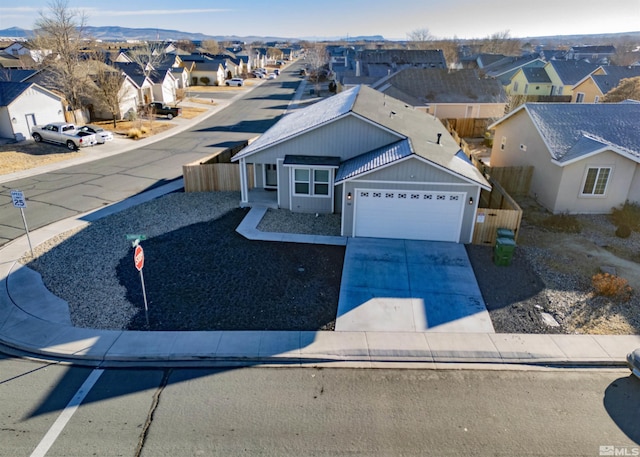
(201, 275)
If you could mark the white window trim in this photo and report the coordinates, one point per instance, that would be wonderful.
(311, 182)
(584, 180)
(578, 97)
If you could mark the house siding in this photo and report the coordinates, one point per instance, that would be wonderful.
(412, 174)
(590, 90)
(46, 108)
(546, 176)
(570, 199)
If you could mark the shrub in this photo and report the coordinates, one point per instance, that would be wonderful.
(205, 80)
(628, 214)
(613, 286)
(134, 133)
(562, 223)
(623, 231)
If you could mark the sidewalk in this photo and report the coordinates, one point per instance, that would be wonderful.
(35, 323)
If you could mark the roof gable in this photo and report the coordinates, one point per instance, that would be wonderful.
(571, 72)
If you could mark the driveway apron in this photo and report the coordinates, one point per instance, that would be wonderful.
(409, 286)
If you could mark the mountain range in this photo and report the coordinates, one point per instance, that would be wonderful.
(115, 33)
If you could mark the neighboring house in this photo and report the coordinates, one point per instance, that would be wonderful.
(213, 70)
(565, 74)
(594, 87)
(128, 101)
(164, 85)
(504, 69)
(594, 54)
(23, 105)
(530, 81)
(391, 171)
(143, 85)
(585, 156)
(446, 94)
(181, 75)
(25, 48)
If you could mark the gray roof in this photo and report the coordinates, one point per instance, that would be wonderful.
(420, 129)
(510, 64)
(536, 75)
(369, 161)
(614, 75)
(429, 57)
(573, 130)
(432, 85)
(573, 71)
(9, 91)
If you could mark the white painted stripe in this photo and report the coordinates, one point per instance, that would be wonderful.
(66, 414)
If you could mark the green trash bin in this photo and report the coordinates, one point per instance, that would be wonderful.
(505, 233)
(503, 251)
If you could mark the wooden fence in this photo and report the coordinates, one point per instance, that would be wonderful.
(215, 172)
(496, 210)
(469, 127)
(514, 180)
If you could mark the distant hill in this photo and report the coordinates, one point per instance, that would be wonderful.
(114, 33)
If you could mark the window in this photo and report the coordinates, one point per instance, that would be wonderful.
(596, 99)
(503, 142)
(321, 182)
(526, 88)
(311, 182)
(579, 97)
(515, 86)
(596, 181)
(301, 181)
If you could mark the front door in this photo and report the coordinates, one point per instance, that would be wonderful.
(270, 175)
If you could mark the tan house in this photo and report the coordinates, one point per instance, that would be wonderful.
(565, 74)
(585, 156)
(595, 86)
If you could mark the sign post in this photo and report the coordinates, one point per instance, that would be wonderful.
(138, 261)
(17, 196)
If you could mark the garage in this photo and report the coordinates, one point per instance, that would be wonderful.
(411, 215)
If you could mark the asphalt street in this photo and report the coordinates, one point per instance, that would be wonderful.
(309, 411)
(73, 190)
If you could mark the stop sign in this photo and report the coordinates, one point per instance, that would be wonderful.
(138, 257)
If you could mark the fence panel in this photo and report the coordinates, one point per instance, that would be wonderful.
(212, 177)
(515, 180)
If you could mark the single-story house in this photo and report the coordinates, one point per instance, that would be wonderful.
(446, 94)
(23, 105)
(585, 156)
(389, 170)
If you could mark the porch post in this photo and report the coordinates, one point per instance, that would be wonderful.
(244, 188)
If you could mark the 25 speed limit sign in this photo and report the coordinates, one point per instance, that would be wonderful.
(17, 196)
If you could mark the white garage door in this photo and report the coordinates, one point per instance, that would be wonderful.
(410, 215)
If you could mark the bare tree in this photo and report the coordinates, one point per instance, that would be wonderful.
(317, 59)
(148, 56)
(501, 43)
(186, 45)
(211, 46)
(628, 89)
(61, 31)
(108, 92)
(420, 38)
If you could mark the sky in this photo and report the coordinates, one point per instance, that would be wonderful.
(393, 19)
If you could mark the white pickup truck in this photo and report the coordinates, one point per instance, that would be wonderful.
(63, 133)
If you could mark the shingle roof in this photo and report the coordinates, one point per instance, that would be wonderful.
(572, 130)
(571, 72)
(433, 57)
(508, 64)
(16, 75)
(613, 77)
(420, 129)
(432, 85)
(536, 75)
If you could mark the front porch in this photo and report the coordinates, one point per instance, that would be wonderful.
(261, 198)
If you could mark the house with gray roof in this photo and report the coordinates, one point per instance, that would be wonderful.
(585, 156)
(23, 105)
(595, 86)
(456, 94)
(391, 171)
(504, 69)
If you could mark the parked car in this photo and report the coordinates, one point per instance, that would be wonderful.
(160, 109)
(258, 74)
(234, 82)
(63, 133)
(272, 76)
(633, 361)
(102, 135)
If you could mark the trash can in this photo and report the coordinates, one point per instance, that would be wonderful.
(505, 233)
(311, 91)
(503, 251)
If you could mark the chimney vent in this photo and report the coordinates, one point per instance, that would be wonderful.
(439, 136)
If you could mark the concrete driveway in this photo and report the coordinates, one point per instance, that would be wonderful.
(405, 285)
